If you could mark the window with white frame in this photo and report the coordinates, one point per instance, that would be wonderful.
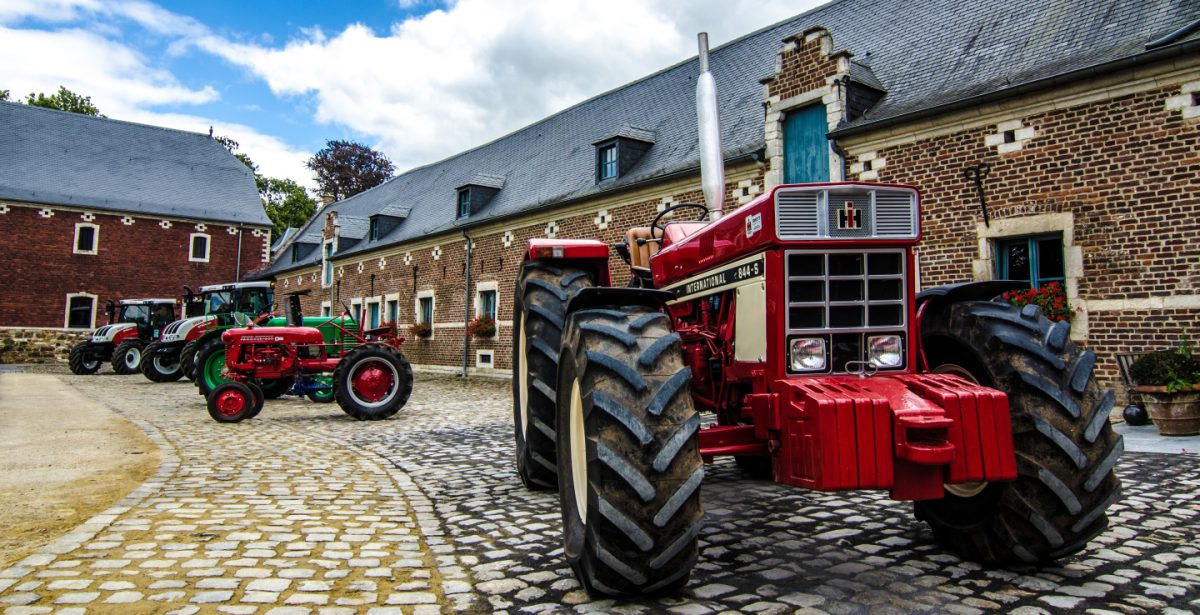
(326, 309)
(87, 238)
(391, 312)
(356, 311)
(485, 358)
(200, 247)
(327, 250)
(486, 300)
(81, 311)
(372, 316)
(425, 306)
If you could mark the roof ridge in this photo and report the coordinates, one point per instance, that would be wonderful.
(107, 119)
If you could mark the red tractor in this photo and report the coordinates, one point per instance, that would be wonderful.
(789, 335)
(133, 323)
(371, 379)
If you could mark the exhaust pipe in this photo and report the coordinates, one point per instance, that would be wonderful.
(712, 164)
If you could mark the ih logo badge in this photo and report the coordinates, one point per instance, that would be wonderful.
(849, 218)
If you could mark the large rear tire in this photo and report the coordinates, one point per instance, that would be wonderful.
(210, 366)
(1065, 446)
(161, 366)
(628, 453)
(81, 361)
(539, 312)
(187, 360)
(127, 357)
(372, 382)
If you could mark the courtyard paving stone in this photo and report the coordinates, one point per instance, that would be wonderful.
(304, 510)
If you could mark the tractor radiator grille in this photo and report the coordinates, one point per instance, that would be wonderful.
(845, 212)
(846, 297)
(859, 290)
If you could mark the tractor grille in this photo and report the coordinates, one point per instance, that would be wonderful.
(173, 327)
(845, 298)
(846, 213)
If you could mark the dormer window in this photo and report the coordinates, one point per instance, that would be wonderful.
(295, 253)
(373, 232)
(472, 196)
(617, 154)
(607, 158)
(464, 202)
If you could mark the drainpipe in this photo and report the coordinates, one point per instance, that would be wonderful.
(467, 306)
(237, 269)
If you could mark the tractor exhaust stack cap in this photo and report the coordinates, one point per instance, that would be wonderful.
(712, 164)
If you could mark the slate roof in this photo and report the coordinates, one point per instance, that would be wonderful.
(939, 51)
(60, 158)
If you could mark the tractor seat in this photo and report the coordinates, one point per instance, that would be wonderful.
(642, 245)
(376, 332)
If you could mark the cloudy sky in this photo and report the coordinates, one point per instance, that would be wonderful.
(416, 79)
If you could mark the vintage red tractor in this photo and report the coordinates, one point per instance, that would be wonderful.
(133, 323)
(790, 336)
(368, 376)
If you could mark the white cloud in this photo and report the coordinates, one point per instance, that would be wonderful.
(116, 76)
(457, 77)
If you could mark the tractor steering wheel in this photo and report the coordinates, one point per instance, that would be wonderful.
(654, 225)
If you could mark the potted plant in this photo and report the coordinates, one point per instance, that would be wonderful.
(482, 327)
(1168, 380)
(1052, 298)
(421, 330)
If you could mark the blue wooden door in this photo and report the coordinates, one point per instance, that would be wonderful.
(805, 148)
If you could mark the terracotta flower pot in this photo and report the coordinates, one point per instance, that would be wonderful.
(1174, 414)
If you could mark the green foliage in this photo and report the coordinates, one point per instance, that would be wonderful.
(345, 168)
(1175, 369)
(3, 94)
(1051, 297)
(287, 203)
(64, 100)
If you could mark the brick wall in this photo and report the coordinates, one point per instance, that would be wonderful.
(409, 269)
(141, 259)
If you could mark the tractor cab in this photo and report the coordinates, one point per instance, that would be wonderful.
(149, 315)
(237, 304)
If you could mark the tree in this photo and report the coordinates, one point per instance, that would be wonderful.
(232, 146)
(64, 100)
(345, 168)
(3, 94)
(286, 202)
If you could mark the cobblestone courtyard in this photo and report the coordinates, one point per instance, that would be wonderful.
(304, 510)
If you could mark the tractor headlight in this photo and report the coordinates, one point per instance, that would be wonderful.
(808, 354)
(885, 351)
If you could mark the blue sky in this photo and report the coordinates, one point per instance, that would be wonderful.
(419, 80)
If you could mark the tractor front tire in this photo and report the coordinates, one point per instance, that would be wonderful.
(628, 453)
(160, 367)
(233, 402)
(187, 360)
(540, 309)
(81, 361)
(127, 357)
(210, 366)
(372, 382)
(1065, 447)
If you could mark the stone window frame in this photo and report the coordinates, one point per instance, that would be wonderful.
(777, 111)
(356, 311)
(328, 248)
(389, 299)
(326, 309)
(480, 363)
(95, 239)
(488, 286)
(367, 303)
(432, 296)
(984, 266)
(67, 310)
(192, 247)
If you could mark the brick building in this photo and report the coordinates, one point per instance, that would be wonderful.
(93, 209)
(1081, 120)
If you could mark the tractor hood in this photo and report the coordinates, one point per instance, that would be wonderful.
(273, 335)
(180, 330)
(108, 333)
